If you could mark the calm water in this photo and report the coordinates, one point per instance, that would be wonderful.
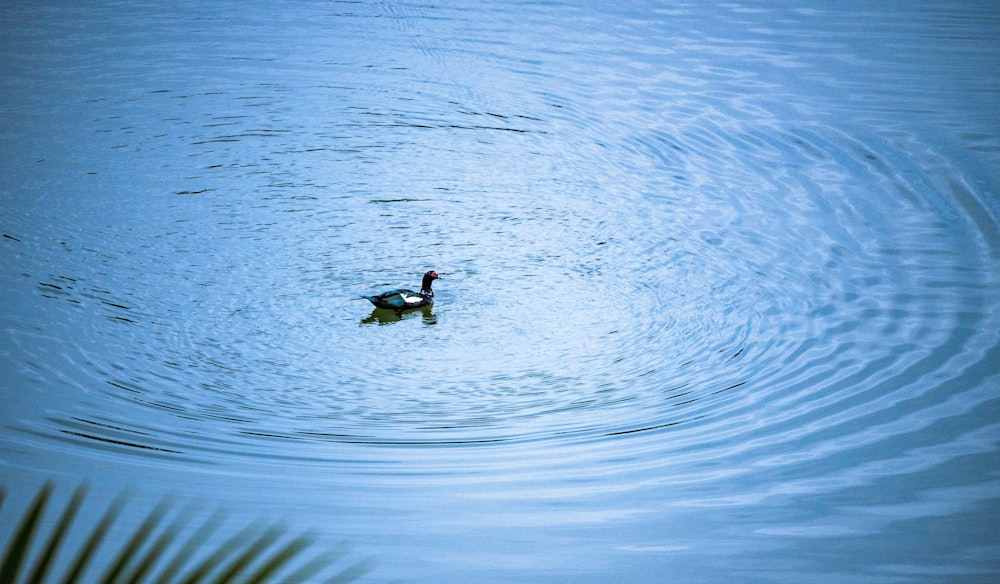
(719, 297)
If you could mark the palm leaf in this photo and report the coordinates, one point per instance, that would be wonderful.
(141, 535)
(190, 545)
(252, 555)
(156, 551)
(88, 551)
(44, 562)
(18, 549)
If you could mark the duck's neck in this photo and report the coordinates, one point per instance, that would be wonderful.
(425, 287)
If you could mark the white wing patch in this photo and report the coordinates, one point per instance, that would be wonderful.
(412, 299)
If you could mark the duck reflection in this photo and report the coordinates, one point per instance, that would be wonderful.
(386, 316)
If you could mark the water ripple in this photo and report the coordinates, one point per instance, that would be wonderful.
(698, 313)
(675, 260)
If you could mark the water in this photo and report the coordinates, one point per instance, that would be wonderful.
(719, 296)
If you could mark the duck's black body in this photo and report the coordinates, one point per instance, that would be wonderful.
(403, 299)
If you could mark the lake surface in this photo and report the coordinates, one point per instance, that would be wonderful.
(719, 296)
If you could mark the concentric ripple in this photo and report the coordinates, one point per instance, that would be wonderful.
(704, 257)
(612, 308)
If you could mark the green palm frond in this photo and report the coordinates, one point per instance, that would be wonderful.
(162, 551)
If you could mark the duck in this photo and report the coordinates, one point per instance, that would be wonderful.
(404, 299)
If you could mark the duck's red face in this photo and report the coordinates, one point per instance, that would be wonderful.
(434, 275)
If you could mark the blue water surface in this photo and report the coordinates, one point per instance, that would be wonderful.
(719, 296)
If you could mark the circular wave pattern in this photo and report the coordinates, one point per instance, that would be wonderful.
(789, 297)
(707, 270)
(718, 297)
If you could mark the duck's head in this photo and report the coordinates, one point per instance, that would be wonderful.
(428, 278)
